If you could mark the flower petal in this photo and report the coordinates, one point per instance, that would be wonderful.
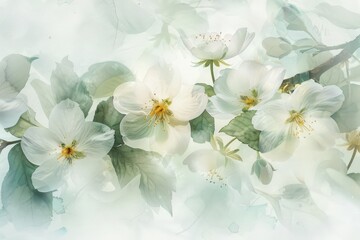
(132, 97)
(272, 116)
(233, 106)
(269, 84)
(162, 82)
(95, 140)
(49, 176)
(210, 51)
(40, 145)
(204, 160)
(66, 121)
(10, 111)
(234, 83)
(189, 103)
(136, 126)
(174, 139)
(320, 101)
(239, 42)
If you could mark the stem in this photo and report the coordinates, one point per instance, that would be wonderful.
(13, 142)
(212, 71)
(352, 158)
(228, 144)
(315, 73)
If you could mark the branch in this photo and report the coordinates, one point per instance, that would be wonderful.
(348, 50)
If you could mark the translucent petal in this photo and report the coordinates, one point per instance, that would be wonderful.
(66, 121)
(40, 145)
(50, 175)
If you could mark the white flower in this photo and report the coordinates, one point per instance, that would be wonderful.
(69, 144)
(216, 46)
(14, 73)
(158, 111)
(245, 88)
(303, 115)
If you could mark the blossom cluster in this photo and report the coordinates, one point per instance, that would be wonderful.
(262, 132)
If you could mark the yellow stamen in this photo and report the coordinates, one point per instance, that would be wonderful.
(300, 125)
(69, 152)
(250, 101)
(160, 111)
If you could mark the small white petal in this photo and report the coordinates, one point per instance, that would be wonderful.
(40, 145)
(204, 160)
(66, 121)
(174, 139)
(162, 82)
(239, 42)
(234, 83)
(95, 140)
(272, 116)
(229, 106)
(135, 126)
(321, 101)
(10, 111)
(50, 175)
(210, 51)
(132, 97)
(189, 103)
(269, 84)
(324, 133)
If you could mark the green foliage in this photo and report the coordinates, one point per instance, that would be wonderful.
(355, 177)
(81, 96)
(65, 84)
(202, 128)
(15, 70)
(106, 113)
(277, 47)
(156, 183)
(102, 78)
(348, 116)
(209, 90)
(26, 121)
(295, 192)
(242, 128)
(24, 206)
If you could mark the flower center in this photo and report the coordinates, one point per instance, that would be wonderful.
(300, 125)
(69, 152)
(208, 38)
(250, 101)
(353, 139)
(160, 111)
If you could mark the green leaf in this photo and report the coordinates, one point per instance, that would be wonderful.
(156, 183)
(65, 84)
(355, 177)
(25, 206)
(202, 127)
(209, 90)
(26, 121)
(295, 191)
(15, 70)
(348, 116)
(81, 95)
(106, 113)
(277, 47)
(102, 78)
(339, 15)
(44, 93)
(242, 128)
(263, 170)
